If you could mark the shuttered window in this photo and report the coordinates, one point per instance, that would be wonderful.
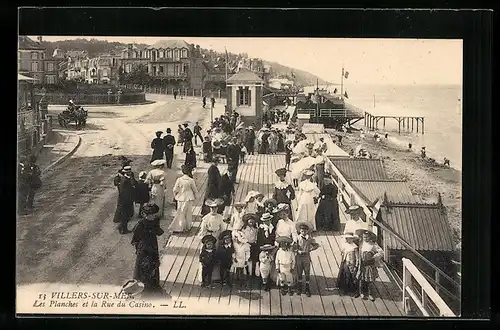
(243, 96)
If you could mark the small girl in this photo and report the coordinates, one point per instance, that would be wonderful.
(207, 260)
(250, 202)
(370, 255)
(241, 255)
(346, 279)
(285, 264)
(243, 153)
(265, 264)
(236, 221)
(249, 230)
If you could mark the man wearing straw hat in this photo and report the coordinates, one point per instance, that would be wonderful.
(169, 143)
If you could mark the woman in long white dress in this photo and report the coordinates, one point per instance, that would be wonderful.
(185, 192)
(156, 180)
(308, 193)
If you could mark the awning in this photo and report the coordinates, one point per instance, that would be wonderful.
(20, 77)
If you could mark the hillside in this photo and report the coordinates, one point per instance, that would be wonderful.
(95, 47)
(302, 78)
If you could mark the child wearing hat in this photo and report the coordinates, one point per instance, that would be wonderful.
(304, 245)
(236, 222)
(266, 233)
(207, 259)
(225, 253)
(370, 255)
(250, 202)
(283, 191)
(241, 255)
(249, 231)
(207, 150)
(346, 278)
(265, 264)
(243, 153)
(141, 192)
(288, 154)
(285, 264)
(355, 221)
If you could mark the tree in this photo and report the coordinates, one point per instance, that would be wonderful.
(138, 76)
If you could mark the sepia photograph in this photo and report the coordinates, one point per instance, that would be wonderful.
(162, 175)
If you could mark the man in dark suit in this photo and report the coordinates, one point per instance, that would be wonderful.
(197, 133)
(168, 144)
(233, 158)
(188, 137)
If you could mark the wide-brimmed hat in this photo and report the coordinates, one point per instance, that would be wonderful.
(184, 169)
(250, 194)
(239, 204)
(132, 287)
(158, 162)
(127, 168)
(284, 239)
(280, 172)
(353, 209)
(267, 247)
(208, 238)
(350, 235)
(266, 217)
(308, 173)
(281, 207)
(213, 202)
(149, 209)
(303, 224)
(216, 144)
(360, 231)
(248, 216)
(224, 234)
(159, 132)
(142, 175)
(271, 201)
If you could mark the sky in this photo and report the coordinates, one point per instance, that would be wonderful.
(368, 61)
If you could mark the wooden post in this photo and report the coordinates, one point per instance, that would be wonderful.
(417, 123)
(424, 299)
(412, 124)
(403, 120)
(422, 125)
(384, 122)
(406, 283)
(399, 125)
(193, 93)
(219, 93)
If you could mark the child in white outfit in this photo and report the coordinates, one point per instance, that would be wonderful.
(241, 255)
(285, 264)
(265, 264)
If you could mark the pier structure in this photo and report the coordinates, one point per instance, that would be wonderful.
(371, 120)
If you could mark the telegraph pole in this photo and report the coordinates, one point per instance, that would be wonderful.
(317, 101)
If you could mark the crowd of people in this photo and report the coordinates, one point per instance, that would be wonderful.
(257, 237)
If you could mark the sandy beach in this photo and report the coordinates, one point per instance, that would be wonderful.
(424, 180)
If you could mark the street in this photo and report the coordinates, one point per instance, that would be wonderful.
(70, 237)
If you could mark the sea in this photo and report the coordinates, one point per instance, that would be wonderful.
(440, 105)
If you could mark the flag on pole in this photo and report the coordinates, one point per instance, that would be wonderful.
(346, 74)
(345, 95)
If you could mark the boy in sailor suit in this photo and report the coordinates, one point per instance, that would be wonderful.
(265, 264)
(305, 244)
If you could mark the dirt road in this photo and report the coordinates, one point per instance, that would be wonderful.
(70, 237)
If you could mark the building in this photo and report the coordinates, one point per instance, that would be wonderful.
(244, 90)
(31, 56)
(280, 83)
(27, 115)
(175, 64)
(103, 69)
(133, 56)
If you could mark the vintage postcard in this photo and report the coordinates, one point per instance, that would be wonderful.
(239, 176)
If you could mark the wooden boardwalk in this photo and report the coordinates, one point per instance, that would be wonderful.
(179, 267)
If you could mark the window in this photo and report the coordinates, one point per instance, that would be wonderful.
(104, 72)
(50, 66)
(161, 68)
(51, 79)
(176, 55)
(34, 66)
(128, 68)
(34, 56)
(176, 69)
(185, 68)
(184, 53)
(243, 96)
(162, 54)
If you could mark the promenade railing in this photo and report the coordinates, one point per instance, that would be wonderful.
(434, 307)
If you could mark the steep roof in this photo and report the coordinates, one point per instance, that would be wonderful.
(245, 76)
(395, 190)
(26, 43)
(169, 44)
(360, 168)
(425, 227)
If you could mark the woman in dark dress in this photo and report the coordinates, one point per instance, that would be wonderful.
(327, 214)
(190, 161)
(147, 263)
(281, 142)
(250, 141)
(126, 193)
(157, 146)
(264, 144)
(227, 190)
(213, 186)
(283, 191)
